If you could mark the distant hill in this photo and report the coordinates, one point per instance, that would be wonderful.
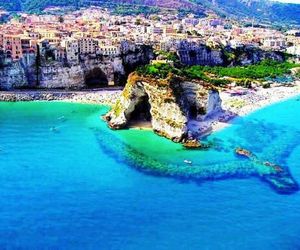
(261, 10)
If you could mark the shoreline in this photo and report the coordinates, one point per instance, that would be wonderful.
(252, 101)
(99, 96)
(233, 106)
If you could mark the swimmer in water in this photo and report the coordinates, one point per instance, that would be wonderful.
(54, 129)
(62, 118)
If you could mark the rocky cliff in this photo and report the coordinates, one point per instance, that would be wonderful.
(192, 53)
(199, 54)
(17, 74)
(246, 55)
(169, 104)
(90, 72)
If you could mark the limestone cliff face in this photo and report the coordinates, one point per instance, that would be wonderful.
(88, 73)
(199, 54)
(30, 72)
(55, 76)
(12, 76)
(17, 74)
(250, 55)
(171, 102)
(135, 55)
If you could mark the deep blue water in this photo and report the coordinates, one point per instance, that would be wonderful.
(59, 189)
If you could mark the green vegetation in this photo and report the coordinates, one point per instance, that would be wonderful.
(262, 70)
(236, 103)
(158, 70)
(36, 6)
(117, 108)
(221, 76)
(171, 56)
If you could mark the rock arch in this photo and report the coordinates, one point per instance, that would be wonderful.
(141, 111)
(169, 104)
(96, 78)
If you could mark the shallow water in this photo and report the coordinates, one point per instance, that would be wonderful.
(64, 185)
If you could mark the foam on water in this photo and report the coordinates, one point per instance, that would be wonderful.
(67, 181)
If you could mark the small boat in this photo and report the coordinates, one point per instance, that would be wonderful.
(54, 129)
(188, 162)
(62, 118)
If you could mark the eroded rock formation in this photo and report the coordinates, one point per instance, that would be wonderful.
(169, 104)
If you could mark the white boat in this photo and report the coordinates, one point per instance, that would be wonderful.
(188, 162)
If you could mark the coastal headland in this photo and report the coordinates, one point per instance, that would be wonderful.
(186, 103)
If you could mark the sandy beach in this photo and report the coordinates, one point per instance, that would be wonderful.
(102, 96)
(253, 100)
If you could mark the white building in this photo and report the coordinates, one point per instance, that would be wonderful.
(109, 50)
(274, 42)
(87, 45)
(294, 50)
(72, 49)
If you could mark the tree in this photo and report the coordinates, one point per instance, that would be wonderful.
(61, 19)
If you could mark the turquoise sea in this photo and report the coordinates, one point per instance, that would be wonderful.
(68, 182)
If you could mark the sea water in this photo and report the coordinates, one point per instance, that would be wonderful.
(65, 183)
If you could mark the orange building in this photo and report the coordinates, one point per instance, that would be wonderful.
(12, 45)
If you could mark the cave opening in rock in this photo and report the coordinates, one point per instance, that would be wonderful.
(193, 56)
(141, 116)
(193, 111)
(96, 78)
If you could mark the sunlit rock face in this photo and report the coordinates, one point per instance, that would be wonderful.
(169, 105)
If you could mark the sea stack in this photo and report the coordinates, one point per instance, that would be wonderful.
(169, 104)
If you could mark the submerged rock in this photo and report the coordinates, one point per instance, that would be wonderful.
(192, 144)
(195, 144)
(168, 103)
(244, 153)
(188, 169)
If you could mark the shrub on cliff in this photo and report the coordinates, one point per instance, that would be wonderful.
(158, 70)
(170, 56)
(264, 69)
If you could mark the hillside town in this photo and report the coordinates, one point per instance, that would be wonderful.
(95, 32)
